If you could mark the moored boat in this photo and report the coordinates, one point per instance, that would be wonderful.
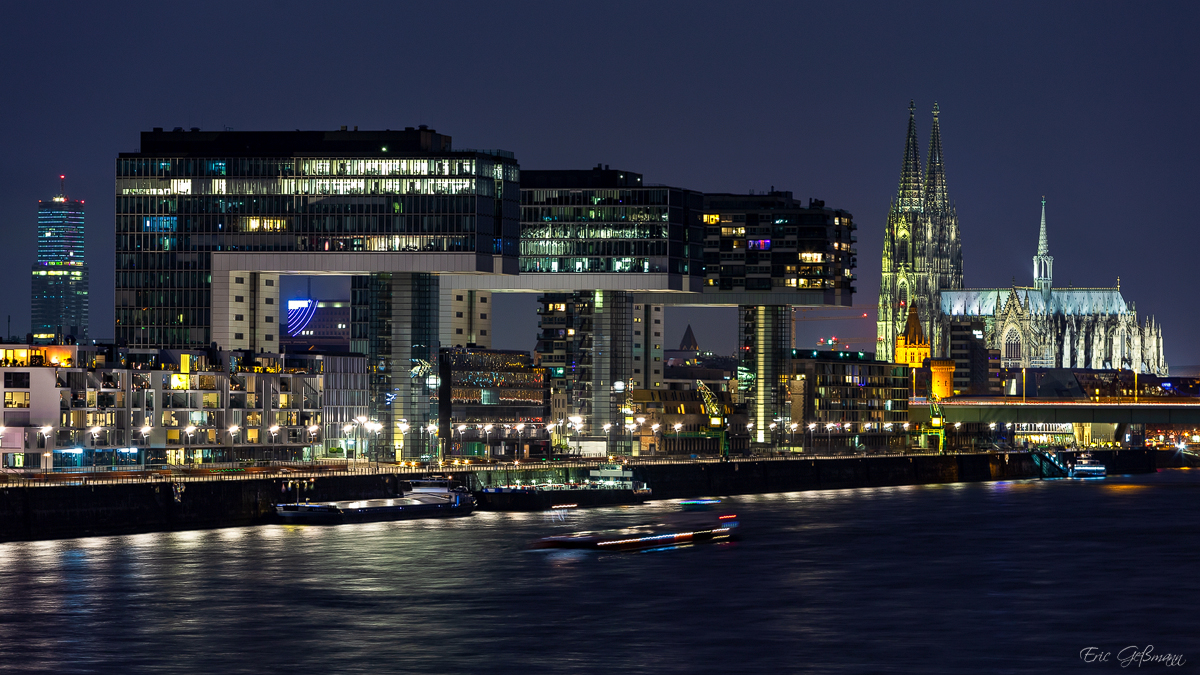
(428, 498)
(1088, 467)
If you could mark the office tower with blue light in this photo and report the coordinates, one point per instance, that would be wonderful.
(59, 298)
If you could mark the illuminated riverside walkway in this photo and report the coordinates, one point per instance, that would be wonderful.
(304, 470)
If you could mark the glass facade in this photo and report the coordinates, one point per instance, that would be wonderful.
(59, 298)
(606, 221)
(187, 195)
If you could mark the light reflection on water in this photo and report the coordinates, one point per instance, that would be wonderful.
(1015, 576)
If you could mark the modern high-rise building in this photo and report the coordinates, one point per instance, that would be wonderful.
(767, 253)
(207, 222)
(59, 299)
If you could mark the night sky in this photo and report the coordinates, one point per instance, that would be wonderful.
(1091, 104)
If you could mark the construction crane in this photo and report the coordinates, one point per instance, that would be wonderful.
(714, 410)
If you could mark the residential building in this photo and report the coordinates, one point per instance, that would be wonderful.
(501, 398)
(75, 406)
(845, 400)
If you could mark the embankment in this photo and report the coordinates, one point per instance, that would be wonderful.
(55, 512)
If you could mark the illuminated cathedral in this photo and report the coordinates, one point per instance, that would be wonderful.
(1036, 326)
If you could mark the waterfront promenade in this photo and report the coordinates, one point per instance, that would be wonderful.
(89, 504)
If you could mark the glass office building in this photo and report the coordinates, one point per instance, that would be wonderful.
(59, 298)
(207, 222)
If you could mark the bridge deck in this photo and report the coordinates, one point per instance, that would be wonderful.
(1013, 409)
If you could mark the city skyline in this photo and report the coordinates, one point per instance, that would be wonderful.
(1044, 101)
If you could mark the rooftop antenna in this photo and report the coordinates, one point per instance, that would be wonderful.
(62, 185)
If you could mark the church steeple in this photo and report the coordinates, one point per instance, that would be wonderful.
(1043, 262)
(936, 200)
(909, 197)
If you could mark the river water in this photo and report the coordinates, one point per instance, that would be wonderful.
(974, 577)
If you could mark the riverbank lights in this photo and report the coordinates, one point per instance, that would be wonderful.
(958, 425)
(462, 428)
(641, 420)
(991, 425)
(772, 426)
(750, 426)
(794, 425)
(431, 428)
(487, 427)
(189, 430)
(906, 426)
(233, 429)
(576, 420)
(347, 429)
(520, 428)
(654, 427)
(607, 427)
(95, 431)
(403, 427)
(361, 419)
(888, 426)
(678, 426)
(812, 425)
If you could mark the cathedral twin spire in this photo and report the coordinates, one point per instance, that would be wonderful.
(909, 197)
(928, 193)
(922, 251)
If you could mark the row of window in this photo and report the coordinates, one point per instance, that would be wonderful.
(463, 165)
(294, 205)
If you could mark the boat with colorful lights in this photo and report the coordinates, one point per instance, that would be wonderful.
(433, 497)
(1087, 467)
(688, 528)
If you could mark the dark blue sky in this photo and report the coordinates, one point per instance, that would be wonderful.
(1091, 104)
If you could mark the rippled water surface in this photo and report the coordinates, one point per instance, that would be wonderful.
(983, 577)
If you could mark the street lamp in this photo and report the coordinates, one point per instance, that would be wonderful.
(374, 427)
(577, 422)
(607, 440)
(403, 427)
(793, 428)
(345, 433)
(461, 429)
(432, 429)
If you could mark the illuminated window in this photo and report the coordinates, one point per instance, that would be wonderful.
(812, 257)
(16, 399)
(257, 224)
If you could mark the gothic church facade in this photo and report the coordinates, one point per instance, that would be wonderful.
(922, 254)
(1035, 326)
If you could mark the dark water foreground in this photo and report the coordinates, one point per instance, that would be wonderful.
(968, 577)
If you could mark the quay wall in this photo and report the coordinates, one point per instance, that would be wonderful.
(684, 480)
(58, 512)
(55, 512)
